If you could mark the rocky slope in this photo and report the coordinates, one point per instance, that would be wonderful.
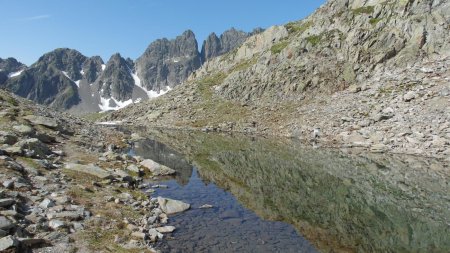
(368, 73)
(67, 185)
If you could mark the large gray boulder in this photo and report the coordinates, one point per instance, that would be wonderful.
(157, 169)
(171, 206)
(89, 169)
(8, 242)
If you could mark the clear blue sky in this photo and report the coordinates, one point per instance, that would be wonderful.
(31, 28)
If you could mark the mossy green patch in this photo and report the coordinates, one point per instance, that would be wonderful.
(298, 27)
(314, 40)
(363, 10)
(374, 21)
(277, 48)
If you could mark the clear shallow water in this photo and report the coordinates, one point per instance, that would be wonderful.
(337, 201)
(227, 227)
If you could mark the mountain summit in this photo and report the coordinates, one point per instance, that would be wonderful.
(66, 79)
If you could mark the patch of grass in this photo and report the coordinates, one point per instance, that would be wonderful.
(374, 21)
(93, 117)
(243, 65)
(363, 10)
(205, 84)
(297, 28)
(314, 39)
(12, 101)
(277, 48)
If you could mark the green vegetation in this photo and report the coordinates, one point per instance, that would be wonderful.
(277, 48)
(314, 39)
(243, 65)
(363, 10)
(93, 117)
(296, 27)
(205, 84)
(374, 21)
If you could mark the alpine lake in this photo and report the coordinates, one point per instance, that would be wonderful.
(280, 195)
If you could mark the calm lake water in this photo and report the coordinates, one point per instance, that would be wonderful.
(278, 195)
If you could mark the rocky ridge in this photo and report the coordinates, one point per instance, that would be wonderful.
(66, 185)
(367, 73)
(67, 80)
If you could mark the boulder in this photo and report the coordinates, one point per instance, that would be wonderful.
(35, 147)
(8, 242)
(89, 169)
(46, 203)
(166, 229)
(43, 121)
(171, 206)
(23, 129)
(5, 223)
(7, 138)
(157, 169)
(5, 203)
(55, 224)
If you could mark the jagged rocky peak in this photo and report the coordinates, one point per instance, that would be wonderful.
(10, 67)
(51, 80)
(92, 68)
(67, 60)
(167, 63)
(116, 80)
(214, 46)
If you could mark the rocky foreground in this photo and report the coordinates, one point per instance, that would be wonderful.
(67, 186)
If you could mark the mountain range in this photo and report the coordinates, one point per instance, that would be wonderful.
(65, 79)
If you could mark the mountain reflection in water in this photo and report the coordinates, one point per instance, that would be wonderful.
(339, 202)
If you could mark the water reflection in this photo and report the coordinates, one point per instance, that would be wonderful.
(340, 202)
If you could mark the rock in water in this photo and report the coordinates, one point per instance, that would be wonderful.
(171, 206)
(157, 169)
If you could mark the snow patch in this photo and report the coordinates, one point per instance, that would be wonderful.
(78, 83)
(82, 72)
(65, 73)
(138, 101)
(103, 67)
(109, 123)
(105, 104)
(150, 93)
(14, 74)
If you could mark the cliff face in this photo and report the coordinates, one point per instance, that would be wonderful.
(214, 46)
(116, 80)
(168, 62)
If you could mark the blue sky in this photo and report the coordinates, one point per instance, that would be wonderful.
(31, 28)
